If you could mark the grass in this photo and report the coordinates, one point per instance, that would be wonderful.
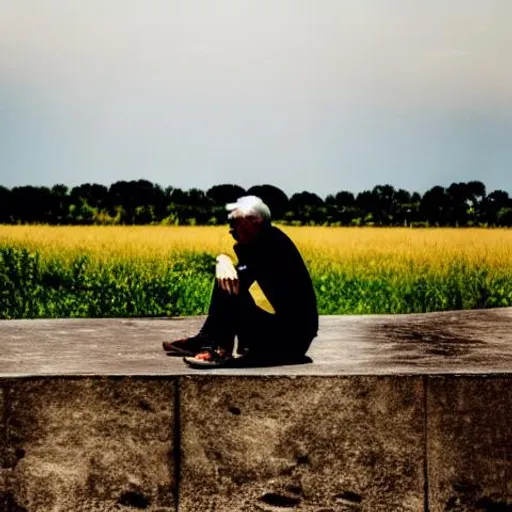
(168, 271)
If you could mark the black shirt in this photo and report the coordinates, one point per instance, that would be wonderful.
(274, 261)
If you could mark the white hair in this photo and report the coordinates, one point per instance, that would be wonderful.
(249, 206)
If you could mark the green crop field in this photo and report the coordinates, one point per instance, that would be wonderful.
(168, 271)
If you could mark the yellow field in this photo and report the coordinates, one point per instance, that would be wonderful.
(155, 270)
(371, 247)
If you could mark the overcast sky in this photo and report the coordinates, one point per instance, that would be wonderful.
(318, 95)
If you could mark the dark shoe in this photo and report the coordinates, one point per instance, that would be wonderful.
(189, 346)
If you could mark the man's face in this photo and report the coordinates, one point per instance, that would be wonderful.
(244, 229)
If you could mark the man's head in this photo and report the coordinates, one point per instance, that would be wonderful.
(248, 217)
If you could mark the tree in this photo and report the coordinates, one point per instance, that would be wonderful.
(5, 205)
(142, 202)
(220, 195)
(308, 208)
(494, 206)
(382, 204)
(196, 197)
(189, 207)
(341, 207)
(505, 217)
(476, 195)
(31, 204)
(132, 196)
(465, 203)
(415, 207)
(458, 198)
(434, 206)
(198, 207)
(345, 200)
(94, 194)
(274, 197)
(364, 206)
(405, 207)
(60, 202)
(159, 203)
(177, 196)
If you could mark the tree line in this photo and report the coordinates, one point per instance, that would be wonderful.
(142, 202)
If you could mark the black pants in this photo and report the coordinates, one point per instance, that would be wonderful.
(260, 334)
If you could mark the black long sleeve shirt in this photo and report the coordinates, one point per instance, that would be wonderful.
(274, 261)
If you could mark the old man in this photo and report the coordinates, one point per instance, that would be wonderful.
(267, 257)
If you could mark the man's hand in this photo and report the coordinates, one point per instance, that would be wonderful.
(226, 275)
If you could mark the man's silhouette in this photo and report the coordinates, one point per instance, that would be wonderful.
(268, 257)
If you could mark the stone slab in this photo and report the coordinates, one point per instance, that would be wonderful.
(3, 438)
(307, 443)
(470, 342)
(91, 445)
(469, 444)
(2, 428)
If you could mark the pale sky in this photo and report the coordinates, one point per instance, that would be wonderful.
(317, 95)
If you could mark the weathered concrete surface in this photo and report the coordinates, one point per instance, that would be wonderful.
(354, 430)
(309, 444)
(470, 444)
(89, 445)
(3, 446)
(3, 436)
(434, 343)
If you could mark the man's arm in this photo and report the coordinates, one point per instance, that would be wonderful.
(244, 267)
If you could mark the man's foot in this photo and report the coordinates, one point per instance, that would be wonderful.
(208, 359)
(188, 346)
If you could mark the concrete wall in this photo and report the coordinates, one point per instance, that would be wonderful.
(222, 443)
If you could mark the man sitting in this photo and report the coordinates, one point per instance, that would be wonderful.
(267, 256)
